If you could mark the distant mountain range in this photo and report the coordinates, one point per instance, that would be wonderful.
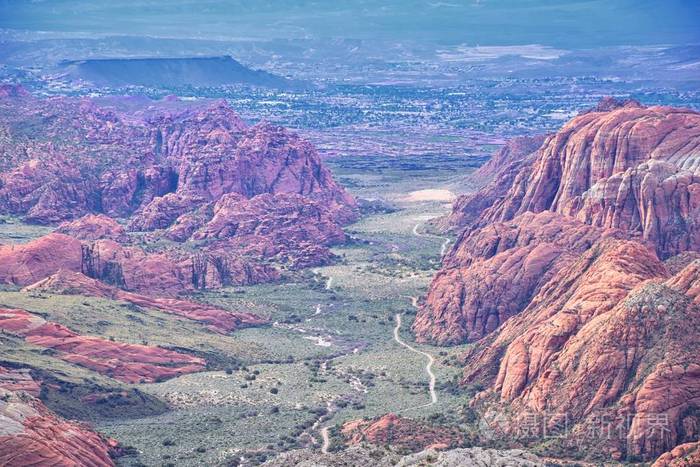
(195, 71)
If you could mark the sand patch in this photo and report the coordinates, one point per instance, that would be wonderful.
(430, 195)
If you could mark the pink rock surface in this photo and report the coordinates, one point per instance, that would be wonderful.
(68, 282)
(131, 363)
(30, 434)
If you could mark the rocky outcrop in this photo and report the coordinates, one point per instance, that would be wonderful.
(374, 456)
(27, 263)
(401, 432)
(493, 272)
(19, 379)
(68, 282)
(611, 338)
(632, 168)
(473, 457)
(685, 455)
(496, 176)
(48, 188)
(241, 196)
(94, 227)
(576, 278)
(130, 363)
(291, 228)
(127, 267)
(152, 160)
(620, 168)
(30, 434)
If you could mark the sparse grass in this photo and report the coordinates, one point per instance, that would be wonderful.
(13, 230)
(273, 382)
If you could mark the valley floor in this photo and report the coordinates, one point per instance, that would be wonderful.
(332, 353)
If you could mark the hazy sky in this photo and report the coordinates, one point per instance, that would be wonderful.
(568, 24)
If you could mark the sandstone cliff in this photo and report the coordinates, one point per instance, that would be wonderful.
(30, 434)
(576, 275)
(621, 168)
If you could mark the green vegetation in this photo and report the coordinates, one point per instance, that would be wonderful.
(327, 356)
(13, 230)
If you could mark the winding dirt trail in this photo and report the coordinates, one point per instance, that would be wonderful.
(443, 247)
(428, 366)
(326, 439)
(324, 431)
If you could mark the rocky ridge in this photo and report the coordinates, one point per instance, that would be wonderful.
(74, 283)
(401, 432)
(130, 363)
(30, 434)
(575, 274)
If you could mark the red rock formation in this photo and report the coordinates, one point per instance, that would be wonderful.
(685, 455)
(601, 340)
(290, 228)
(130, 363)
(46, 189)
(559, 273)
(630, 168)
(127, 267)
(67, 282)
(498, 173)
(18, 380)
(94, 227)
(30, 434)
(176, 166)
(401, 432)
(492, 273)
(27, 263)
(621, 166)
(127, 155)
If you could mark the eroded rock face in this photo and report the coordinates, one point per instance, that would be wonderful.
(191, 172)
(610, 338)
(94, 227)
(632, 168)
(401, 432)
(620, 168)
(27, 263)
(291, 228)
(130, 363)
(150, 160)
(30, 434)
(499, 173)
(493, 272)
(15, 380)
(127, 267)
(68, 282)
(685, 455)
(578, 282)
